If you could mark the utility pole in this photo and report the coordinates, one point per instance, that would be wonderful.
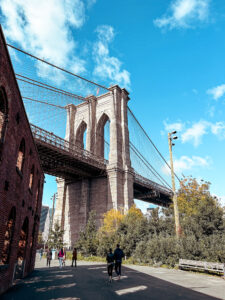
(176, 212)
(53, 208)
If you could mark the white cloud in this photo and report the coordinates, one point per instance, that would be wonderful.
(201, 128)
(195, 133)
(108, 67)
(185, 163)
(184, 14)
(197, 130)
(217, 92)
(178, 126)
(44, 29)
(218, 129)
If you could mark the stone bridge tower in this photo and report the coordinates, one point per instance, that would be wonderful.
(115, 188)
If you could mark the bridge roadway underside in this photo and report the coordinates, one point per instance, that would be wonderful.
(151, 195)
(59, 163)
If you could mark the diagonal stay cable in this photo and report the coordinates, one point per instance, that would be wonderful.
(48, 87)
(152, 142)
(59, 68)
(149, 166)
(42, 102)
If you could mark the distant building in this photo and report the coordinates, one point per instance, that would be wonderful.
(148, 214)
(21, 180)
(45, 222)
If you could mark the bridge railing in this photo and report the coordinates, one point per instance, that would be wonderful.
(155, 186)
(54, 140)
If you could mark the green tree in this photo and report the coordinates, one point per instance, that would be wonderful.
(55, 239)
(40, 239)
(88, 242)
(132, 230)
(200, 212)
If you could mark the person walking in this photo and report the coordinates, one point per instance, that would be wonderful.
(41, 253)
(110, 263)
(60, 256)
(118, 255)
(64, 258)
(49, 257)
(74, 257)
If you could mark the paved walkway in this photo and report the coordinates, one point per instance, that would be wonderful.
(89, 281)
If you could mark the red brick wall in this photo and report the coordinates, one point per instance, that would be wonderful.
(18, 194)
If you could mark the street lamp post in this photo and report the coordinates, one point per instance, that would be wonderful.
(176, 212)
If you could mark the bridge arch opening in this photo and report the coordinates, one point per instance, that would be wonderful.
(81, 135)
(103, 137)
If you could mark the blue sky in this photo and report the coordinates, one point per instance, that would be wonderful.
(170, 55)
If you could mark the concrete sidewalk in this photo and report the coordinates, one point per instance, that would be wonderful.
(89, 281)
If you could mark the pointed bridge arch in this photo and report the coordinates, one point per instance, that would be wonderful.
(102, 135)
(80, 135)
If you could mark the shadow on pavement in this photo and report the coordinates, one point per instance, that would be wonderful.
(87, 282)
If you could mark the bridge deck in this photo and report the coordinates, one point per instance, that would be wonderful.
(149, 191)
(63, 159)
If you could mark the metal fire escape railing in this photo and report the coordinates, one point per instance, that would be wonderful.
(58, 143)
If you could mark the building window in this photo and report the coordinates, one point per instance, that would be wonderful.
(5, 255)
(31, 181)
(21, 156)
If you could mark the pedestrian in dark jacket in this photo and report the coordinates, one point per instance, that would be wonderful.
(110, 263)
(49, 257)
(74, 257)
(118, 255)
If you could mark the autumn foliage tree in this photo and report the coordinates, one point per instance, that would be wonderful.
(200, 212)
(111, 221)
(154, 240)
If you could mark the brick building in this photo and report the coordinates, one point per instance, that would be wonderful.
(21, 180)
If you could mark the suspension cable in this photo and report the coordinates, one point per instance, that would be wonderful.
(48, 87)
(152, 142)
(59, 68)
(148, 165)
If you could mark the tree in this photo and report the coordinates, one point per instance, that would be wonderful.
(111, 221)
(132, 230)
(55, 239)
(40, 239)
(200, 211)
(87, 242)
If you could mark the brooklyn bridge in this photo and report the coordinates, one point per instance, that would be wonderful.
(91, 141)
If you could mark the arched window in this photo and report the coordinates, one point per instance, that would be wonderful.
(31, 181)
(5, 255)
(21, 156)
(81, 135)
(103, 137)
(3, 114)
(23, 240)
